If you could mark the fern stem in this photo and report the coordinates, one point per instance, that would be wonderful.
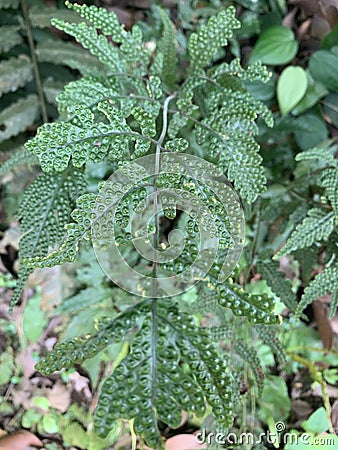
(24, 8)
(157, 170)
(155, 246)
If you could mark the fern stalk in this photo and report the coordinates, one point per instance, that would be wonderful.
(24, 7)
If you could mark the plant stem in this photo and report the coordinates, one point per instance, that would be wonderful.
(155, 245)
(24, 8)
(157, 170)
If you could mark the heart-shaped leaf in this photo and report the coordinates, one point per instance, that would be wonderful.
(291, 88)
(276, 46)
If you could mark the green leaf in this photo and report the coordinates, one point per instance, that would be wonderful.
(49, 424)
(41, 402)
(330, 104)
(275, 402)
(323, 67)
(203, 44)
(34, 320)
(311, 130)
(30, 418)
(19, 158)
(41, 15)
(315, 91)
(325, 282)
(14, 73)
(167, 47)
(317, 226)
(7, 366)
(68, 54)
(276, 46)
(291, 87)
(18, 116)
(279, 284)
(317, 423)
(51, 89)
(9, 37)
(331, 39)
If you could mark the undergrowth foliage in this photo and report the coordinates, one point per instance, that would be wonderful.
(137, 105)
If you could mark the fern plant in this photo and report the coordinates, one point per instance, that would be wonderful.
(35, 65)
(318, 230)
(148, 122)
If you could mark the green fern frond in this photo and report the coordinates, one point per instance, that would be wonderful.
(168, 48)
(257, 308)
(18, 116)
(254, 72)
(269, 336)
(14, 73)
(45, 209)
(203, 44)
(9, 37)
(135, 57)
(106, 21)
(325, 282)
(41, 15)
(68, 54)
(329, 180)
(249, 356)
(317, 226)
(178, 369)
(19, 158)
(88, 92)
(277, 282)
(76, 232)
(83, 141)
(85, 298)
(97, 45)
(324, 152)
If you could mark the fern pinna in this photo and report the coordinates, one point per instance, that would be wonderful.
(316, 234)
(140, 114)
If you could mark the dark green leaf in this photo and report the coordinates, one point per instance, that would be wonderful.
(311, 131)
(276, 46)
(323, 66)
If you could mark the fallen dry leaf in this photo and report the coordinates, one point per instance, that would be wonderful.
(59, 396)
(20, 440)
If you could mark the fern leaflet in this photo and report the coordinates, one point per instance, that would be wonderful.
(317, 226)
